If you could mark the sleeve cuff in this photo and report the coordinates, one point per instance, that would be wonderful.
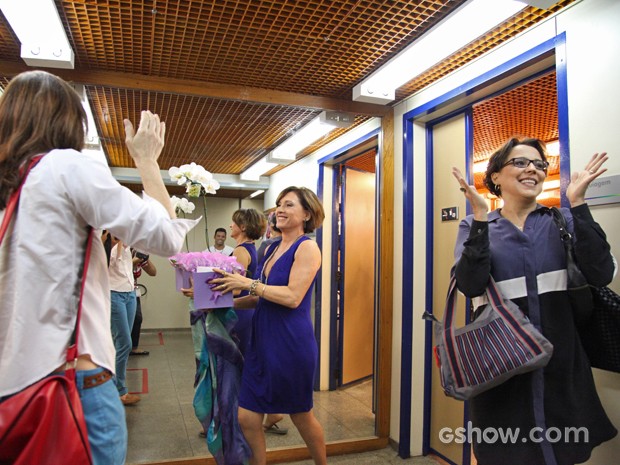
(582, 212)
(478, 228)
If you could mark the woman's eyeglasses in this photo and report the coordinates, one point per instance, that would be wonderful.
(522, 162)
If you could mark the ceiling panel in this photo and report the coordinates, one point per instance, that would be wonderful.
(257, 54)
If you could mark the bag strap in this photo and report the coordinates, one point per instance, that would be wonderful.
(577, 279)
(72, 350)
(9, 212)
(11, 205)
(560, 222)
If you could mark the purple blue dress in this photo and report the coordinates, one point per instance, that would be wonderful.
(243, 329)
(278, 375)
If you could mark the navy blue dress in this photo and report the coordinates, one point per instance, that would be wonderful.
(556, 410)
(278, 375)
(243, 329)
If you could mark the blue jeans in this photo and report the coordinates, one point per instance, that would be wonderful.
(123, 314)
(105, 420)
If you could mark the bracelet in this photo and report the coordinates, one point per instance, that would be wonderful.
(253, 286)
(264, 289)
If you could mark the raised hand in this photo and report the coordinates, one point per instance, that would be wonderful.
(580, 180)
(145, 146)
(148, 142)
(478, 203)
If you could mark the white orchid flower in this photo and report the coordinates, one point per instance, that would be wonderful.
(195, 178)
(211, 186)
(182, 204)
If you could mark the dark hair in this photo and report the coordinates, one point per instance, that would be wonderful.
(273, 219)
(220, 230)
(39, 112)
(254, 222)
(310, 202)
(498, 159)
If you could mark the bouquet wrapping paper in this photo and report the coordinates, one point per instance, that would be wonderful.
(199, 266)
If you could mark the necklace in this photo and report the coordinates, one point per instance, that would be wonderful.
(516, 225)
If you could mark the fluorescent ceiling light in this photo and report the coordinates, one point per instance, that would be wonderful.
(287, 151)
(37, 25)
(315, 129)
(255, 193)
(553, 148)
(254, 172)
(91, 134)
(463, 26)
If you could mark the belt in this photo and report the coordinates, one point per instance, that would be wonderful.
(95, 380)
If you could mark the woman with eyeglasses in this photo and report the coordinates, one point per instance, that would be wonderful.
(555, 410)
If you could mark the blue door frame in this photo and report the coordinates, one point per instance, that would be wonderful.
(332, 159)
(555, 46)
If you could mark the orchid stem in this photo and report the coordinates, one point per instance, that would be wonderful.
(204, 205)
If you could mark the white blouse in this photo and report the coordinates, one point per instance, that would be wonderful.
(120, 270)
(41, 260)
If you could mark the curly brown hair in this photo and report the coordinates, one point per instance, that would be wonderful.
(39, 112)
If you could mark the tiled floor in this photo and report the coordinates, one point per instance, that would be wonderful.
(163, 426)
(385, 456)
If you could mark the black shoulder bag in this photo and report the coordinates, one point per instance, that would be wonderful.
(596, 309)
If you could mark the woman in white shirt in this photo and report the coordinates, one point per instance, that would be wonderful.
(39, 278)
(124, 306)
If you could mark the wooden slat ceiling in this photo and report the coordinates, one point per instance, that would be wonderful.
(233, 78)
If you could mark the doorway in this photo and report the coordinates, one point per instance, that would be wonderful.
(529, 109)
(353, 265)
(437, 125)
(356, 268)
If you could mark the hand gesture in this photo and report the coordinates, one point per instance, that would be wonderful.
(580, 180)
(189, 292)
(478, 203)
(147, 143)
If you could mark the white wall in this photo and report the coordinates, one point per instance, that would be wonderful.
(163, 306)
(593, 46)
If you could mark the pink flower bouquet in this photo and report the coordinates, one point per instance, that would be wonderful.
(199, 265)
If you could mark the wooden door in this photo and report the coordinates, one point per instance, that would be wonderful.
(358, 317)
(448, 151)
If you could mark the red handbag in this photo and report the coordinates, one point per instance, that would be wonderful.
(44, 423)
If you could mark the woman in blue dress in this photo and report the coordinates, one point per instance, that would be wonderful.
(248, 225)
(280, 365)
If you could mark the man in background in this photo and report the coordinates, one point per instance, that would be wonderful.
(219, 245)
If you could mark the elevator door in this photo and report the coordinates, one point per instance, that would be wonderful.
(358, 275)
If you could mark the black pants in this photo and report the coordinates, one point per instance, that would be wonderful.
(137, 326)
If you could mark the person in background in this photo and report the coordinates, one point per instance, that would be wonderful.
(279, 369)
(248, 225)
(219, 243)
(106, 238)
(519, 245)
(123, 300)
(141, 262)
(65, 193)
(272, 235)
